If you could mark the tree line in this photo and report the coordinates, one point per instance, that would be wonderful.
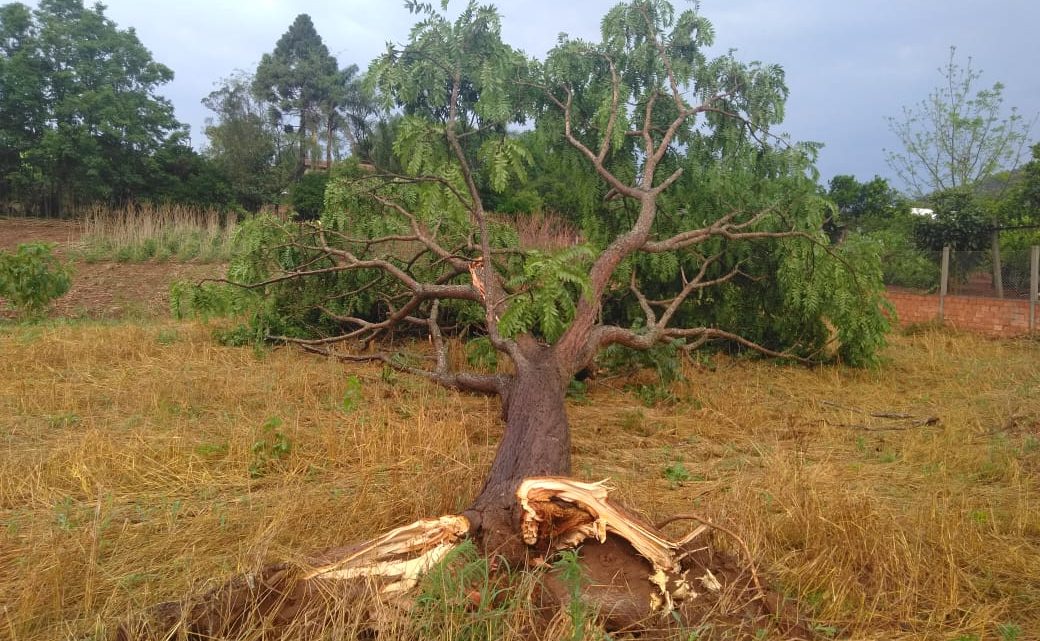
(82, 120)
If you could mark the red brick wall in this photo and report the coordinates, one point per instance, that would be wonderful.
(991, 316)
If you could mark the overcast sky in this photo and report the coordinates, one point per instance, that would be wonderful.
(849, 63)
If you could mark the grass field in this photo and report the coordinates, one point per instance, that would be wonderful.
(141, 461)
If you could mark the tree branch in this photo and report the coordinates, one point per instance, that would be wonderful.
(462, 381)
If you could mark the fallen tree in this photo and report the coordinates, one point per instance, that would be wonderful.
(418, 253)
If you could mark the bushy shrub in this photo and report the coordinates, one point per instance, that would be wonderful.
(31, 277)
(308, 195)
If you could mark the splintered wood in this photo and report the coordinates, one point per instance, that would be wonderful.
(560, 513)
(629, 564)
(400, 557)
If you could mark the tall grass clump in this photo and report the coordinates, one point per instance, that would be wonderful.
(164, 232)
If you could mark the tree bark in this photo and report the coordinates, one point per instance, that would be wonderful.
(536, 443)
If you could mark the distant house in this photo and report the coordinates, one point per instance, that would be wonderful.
(315, 165)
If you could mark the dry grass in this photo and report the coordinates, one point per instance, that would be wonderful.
(128, 448)
(138, 233)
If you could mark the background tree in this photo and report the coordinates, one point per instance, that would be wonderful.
(875, 212)
(79, 115)
(250, 149)
(866, 206)
(23, 108)
(418, 251)
(957, 136)
(347, 111)
(297, 78)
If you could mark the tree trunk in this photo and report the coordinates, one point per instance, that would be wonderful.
(330, 131)
(536, 442)
(301, 160)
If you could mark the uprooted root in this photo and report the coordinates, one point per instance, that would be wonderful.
(636, 578)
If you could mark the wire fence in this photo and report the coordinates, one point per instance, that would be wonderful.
(977, 273)
(995, 292)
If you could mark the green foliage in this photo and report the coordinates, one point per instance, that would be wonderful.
(1009, 632)
(481, 354)
(833, 298)
(903, 263)
(676, 473)
(31, 277)
(79, 117)
(865, 207)
(271, 446)
(245, 145)
(545, 292)
(461, 598)
(308, 195)
(662, 357)
(452, 146)
(568, 569)
(352, 394)
(958, 136)
(959, 222)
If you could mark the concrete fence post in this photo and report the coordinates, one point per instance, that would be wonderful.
(1034, 284)
(944, 279)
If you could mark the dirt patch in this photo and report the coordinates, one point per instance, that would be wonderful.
(15, 231)
(101, 289)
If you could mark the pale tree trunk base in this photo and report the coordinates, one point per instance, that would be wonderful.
(635, 578)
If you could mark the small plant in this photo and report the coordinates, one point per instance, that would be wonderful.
(64, 514)
(578, 391)
(656, 394)
(568, 569)
(481, 354)
(308, 195)
(462, 598)
(676, 474)
(352, 395)
(272, 445)
(1009, 632)
(167, 337)
(62, 420)
(828, 631)
(31, 278)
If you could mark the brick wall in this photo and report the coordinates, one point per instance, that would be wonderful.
(990, 316)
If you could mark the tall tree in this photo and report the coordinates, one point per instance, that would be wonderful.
(90, 116)
(418, 250)
(957, 136)
(23, 105)
(346, 112)
(297, 78)
(246, 144)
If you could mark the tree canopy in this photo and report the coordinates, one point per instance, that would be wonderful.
(80, 117)
(698, 223)
(959, 135)
(298, 78)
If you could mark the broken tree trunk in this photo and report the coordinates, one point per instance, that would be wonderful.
(536, 443)
(637, 578)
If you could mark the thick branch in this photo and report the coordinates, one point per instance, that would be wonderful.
(606, 335)
(462, 381)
